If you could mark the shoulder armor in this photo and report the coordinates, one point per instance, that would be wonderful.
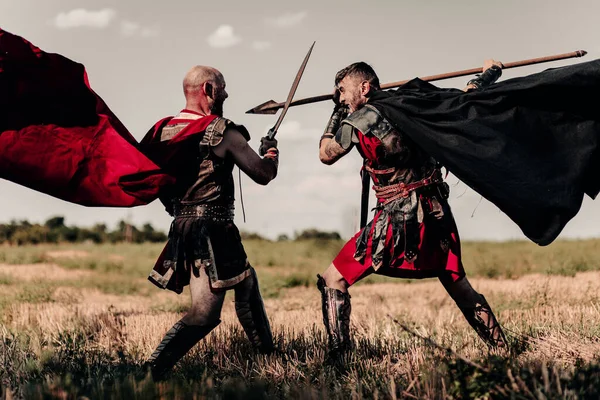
(369, 120)
(215, 130)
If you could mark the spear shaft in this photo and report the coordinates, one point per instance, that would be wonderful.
(271, 107)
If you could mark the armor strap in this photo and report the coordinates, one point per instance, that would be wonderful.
(489, 331)
(216, 129)
(336, 317)
(176, 343)
(251, 313)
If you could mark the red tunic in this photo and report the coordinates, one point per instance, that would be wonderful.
(432, 260)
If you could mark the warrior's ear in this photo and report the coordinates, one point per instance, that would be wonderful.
(208, 89)
(365, 88)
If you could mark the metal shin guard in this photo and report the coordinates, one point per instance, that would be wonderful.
(491, 332)
(251, 313)
(176, 343)
(336, 317)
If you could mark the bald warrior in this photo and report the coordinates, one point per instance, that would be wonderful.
(412, 234)
(200, 148)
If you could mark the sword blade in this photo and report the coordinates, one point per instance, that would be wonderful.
(290, 97)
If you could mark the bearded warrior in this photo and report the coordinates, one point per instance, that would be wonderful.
(412, 234)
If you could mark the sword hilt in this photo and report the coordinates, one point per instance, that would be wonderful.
(269, 136)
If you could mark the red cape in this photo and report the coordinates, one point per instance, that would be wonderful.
(58, 137)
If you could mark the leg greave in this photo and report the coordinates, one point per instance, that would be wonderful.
(251, 313)
(176, 343)
(483, 320)
(336, 316)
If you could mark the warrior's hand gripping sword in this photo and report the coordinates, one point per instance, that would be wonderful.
(273, 131)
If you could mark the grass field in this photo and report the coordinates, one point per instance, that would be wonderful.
(79, 320)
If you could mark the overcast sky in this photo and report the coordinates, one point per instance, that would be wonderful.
(137, 52)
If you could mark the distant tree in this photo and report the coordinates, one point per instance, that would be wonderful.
(7, 231)
(252, 236)
(99, 233)
(20, 237)
(317, 234)
(55, 222)
(148, 233)
(69, 233)
(283, 238)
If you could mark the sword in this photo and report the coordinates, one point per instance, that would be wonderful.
(273, 131)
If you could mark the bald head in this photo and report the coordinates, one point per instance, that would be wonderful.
(198, 75)
(204, 90)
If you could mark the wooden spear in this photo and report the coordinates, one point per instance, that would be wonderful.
(271, 106)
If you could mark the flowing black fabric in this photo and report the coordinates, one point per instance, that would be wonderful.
(529, 145)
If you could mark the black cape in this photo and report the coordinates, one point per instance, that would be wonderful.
(529, 145)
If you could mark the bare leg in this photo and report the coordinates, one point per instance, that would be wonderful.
(335, 302)
(251, 313)
(200, 320)
(206, 304)
(335, 280)
(476, 310)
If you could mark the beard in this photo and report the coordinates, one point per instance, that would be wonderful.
(217, 109)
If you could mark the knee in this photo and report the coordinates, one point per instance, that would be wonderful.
(204, 313)
(333, 279)
(202, 318)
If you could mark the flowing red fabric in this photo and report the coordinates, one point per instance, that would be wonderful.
(58, 137)
(167, 154)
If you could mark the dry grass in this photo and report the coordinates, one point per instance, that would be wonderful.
(63, 339)
(41, 272)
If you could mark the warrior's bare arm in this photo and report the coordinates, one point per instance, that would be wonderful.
(330, 150)
(260, 170)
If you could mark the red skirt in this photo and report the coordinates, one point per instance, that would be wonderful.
(433, 259)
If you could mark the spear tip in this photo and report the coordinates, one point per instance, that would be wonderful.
(581, 53)
(268, 107)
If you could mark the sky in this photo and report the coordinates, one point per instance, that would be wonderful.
(137, 52)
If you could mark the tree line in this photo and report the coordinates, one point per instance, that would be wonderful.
(54, 230)
(307, 234)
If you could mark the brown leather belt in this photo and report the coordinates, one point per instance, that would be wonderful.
(216, 213)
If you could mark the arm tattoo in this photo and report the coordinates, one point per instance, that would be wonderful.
(333, 149)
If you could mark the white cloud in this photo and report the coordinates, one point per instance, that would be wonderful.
(261, 45)
(130, 28)
(85, 18)
(223, 37)
(149, 32)
(288, 19)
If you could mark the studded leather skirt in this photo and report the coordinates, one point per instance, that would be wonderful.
(202, 236)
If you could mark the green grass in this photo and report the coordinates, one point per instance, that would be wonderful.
(74, 363)
(124, 267)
